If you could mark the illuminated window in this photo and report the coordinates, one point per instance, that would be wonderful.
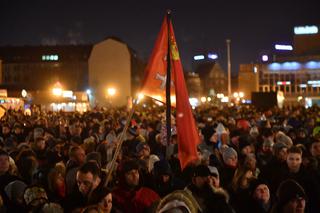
(50, 57)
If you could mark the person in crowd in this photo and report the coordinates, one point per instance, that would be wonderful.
(76, 159)
(103, 198)
(143, 152)
(5, 176)
(201, 188)
(261, 198)
(230, 161)
(88, 179)
(129, 195)
(296, 171)
(240, 189)
(291, 198)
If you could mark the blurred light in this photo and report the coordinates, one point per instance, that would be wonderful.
(88, 91)
(220, 95)
(203, 99)
(225, 99)
(236, 95)
(24, 93)
(300, 98)
(67, 94)
(193, 102)
(241, 94)
(301, 30)
(312, 65)
(283, 82)
(314, 82)
(283, 47)
(243, 101)
(212, 56)
(111, 91)
(292, 65)
(265, 58)
(198, 57)
(303, 85)
(50, 57)
(140, 96)
(255, 69)
(57, 91)
(208, 99)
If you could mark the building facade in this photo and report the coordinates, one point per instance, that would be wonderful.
(91, 68)
(296, 73)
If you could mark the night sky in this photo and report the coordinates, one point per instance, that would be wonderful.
(252, 26)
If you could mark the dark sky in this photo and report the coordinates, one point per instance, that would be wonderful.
(199, 25)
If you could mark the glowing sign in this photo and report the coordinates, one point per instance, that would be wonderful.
(212, 56)
(312, 65)
(314, 82)
(283, 47)
(285, 66)
(303, 85)
(198, 57)
(283, 83)
(302, 30)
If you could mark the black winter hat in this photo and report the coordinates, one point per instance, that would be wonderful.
(130, 165)
(290, 189)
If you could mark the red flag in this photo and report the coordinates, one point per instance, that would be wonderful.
(154, 86)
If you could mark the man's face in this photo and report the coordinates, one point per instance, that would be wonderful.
(5, 130)
(41, 144)
(132, 178)
(4, 164)
(76, 129)
(86, 182)
(296, 205)
(262, 193)
(315, 149)
(80, 156)
(145, 152)
(294, 161)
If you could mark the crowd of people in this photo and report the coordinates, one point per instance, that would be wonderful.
(249, 160)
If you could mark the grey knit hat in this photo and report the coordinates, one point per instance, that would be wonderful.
(228, 153)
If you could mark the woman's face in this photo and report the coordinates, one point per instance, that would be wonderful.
(106, 203)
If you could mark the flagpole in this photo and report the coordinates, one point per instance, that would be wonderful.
(118, 149)
(168, 82)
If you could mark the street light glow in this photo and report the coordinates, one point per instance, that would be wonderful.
(241, 94)
(140, 96)
(111, 91)
(57, 91)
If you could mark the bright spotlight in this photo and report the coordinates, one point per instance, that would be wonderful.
(111, 91)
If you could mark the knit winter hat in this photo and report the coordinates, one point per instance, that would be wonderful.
(15, 189)
(130, 165)
(228, 153)
(94, 156)
(289, 189)
(281, 137)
